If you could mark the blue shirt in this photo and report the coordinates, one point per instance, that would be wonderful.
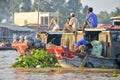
(81, 42)
(92, 18)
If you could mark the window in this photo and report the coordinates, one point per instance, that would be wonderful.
(46, 20)
(42, 21)
(116, 23)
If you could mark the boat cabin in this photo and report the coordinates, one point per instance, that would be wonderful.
(116, 20)
(109, 38)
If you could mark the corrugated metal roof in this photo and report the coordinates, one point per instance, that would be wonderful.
(15, 27)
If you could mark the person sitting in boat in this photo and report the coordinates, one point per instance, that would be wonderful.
(83, 45)
(67, 28)
(91, 19)
(55, 25)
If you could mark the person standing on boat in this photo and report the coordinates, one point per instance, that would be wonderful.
(55, 25)
(91, 19)
(67, 28)
(73, 23)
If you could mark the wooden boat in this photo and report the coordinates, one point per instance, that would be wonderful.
(69, 59)
(109, 56)
(8, 47)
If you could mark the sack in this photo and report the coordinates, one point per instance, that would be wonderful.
(97, 48)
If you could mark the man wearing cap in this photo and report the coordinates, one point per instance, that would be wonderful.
(91, 19)
(73, 22)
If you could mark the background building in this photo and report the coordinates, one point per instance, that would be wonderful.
(7, 31)
(33, 18)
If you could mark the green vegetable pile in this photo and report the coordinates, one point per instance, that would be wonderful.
(115, 74)
(36, 57)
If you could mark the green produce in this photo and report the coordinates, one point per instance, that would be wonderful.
(36, 58)
(115, 74)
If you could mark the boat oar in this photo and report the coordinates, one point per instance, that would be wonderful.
(87, 50)
(82, 64)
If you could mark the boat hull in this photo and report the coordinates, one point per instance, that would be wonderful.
(7, 48)
(90, 62)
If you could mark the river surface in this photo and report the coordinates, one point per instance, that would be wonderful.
(8, 57)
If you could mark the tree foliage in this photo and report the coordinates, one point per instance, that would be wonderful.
(27, 5)
(104, 17)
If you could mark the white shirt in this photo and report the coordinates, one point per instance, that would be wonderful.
(56, 28)
(74, 23)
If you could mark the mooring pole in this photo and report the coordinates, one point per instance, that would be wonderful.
(78, 12)
(38, 17)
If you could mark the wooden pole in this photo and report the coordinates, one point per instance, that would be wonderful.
(38, 17)
(78, 12)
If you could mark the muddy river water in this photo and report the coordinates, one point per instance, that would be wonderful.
(8, 57)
